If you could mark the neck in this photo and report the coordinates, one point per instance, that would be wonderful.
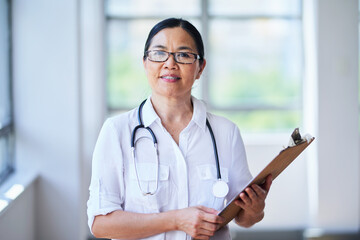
(173, 110)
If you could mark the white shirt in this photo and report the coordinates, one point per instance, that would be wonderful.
(187, 171)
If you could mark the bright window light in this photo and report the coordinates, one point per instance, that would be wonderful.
(3, 204)
(14, 191)
(254, 53)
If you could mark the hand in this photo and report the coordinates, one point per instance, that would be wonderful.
(252, 202)
(200, 222)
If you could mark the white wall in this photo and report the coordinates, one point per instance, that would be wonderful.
(18, 220)
(93, 105)
(59, 108)
(47, 117)
(332, 108)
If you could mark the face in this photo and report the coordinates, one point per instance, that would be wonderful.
(172, 79)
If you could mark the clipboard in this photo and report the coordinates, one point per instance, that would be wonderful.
(275, 167)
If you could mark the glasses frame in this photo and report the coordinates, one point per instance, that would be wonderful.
(196, 56)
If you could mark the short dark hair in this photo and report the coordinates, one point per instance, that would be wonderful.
(177, 22)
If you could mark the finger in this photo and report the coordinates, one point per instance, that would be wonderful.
(201, 237)
(204, 233)
(211, 218)
(251, 193)
(207, 228)
(259, 191)
(267, 184)
(269, 181)
(239, 203)
(208, 210)
(210, 215)
(245, 198)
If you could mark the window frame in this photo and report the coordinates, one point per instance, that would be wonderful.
(7, 128)
(206, 88)
(205, 17)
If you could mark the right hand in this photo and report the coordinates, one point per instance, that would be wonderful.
(199, 222)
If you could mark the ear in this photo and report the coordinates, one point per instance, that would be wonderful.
(202, 67)
(144, 62)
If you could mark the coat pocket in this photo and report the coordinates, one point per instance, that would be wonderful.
(207, 174)
(144, 180)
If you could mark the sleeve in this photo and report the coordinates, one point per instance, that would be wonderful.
(239, 174)
(107, 183)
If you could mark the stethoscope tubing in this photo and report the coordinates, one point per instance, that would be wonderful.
(215, 149)
(141, 125)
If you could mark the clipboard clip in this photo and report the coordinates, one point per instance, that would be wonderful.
(296, 138)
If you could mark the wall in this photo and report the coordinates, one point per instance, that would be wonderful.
(92, 101)
(18, 220)
(332, 113)
(47, 118)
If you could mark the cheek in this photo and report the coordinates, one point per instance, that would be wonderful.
(195, 73)
(151, 70)
(152, 73)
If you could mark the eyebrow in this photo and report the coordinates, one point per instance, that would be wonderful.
(179, 48)
(159, 46)
(185, 48)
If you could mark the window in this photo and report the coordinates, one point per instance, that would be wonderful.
(253, 50)
(6, 125)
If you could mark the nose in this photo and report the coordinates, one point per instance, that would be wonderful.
(170, 62)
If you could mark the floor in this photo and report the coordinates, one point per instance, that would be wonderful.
(282, 235)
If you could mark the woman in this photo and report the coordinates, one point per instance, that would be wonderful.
(132, 196)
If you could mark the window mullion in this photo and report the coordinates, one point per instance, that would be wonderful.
(205, 33)
(5, 130)
(6, 121)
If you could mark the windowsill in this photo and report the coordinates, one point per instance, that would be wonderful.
(15, 186)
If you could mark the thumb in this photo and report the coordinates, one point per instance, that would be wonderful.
(268, 182)
(208, 210)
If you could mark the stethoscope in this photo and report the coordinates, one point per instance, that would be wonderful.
(220, 187)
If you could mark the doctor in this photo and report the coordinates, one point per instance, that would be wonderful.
(165, 169)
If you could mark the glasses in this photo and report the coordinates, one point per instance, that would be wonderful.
(180, 57)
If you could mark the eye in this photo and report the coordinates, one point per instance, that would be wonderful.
(159, 53)
(183, 55)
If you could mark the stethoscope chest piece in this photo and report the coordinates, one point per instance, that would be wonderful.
(220, 188)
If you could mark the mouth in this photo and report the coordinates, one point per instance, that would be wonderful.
(170, 78)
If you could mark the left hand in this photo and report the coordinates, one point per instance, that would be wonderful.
(252, 202)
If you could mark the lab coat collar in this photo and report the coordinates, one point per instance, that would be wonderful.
(199, 114)
(148, 113)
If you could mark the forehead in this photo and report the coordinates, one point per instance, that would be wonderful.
(173, 39)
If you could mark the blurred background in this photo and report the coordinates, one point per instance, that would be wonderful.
(272, 66)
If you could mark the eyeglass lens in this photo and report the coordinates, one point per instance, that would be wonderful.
(180, 57)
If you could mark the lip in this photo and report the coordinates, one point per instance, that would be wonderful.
(170, 77)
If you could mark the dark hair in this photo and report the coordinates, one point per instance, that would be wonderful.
(177, 22)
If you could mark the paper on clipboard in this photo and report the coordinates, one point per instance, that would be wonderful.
(275, 167)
